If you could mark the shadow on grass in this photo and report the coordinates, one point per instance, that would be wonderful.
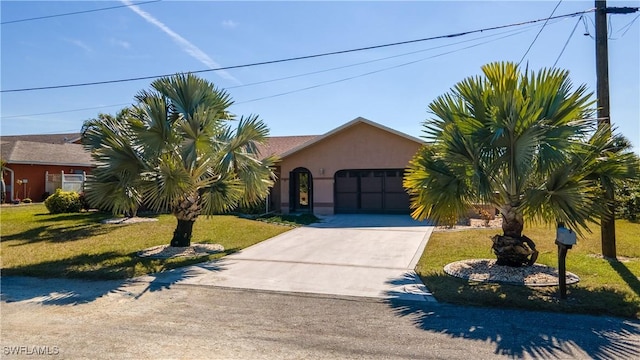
(518, 333)
(81, 285)
(76, 226)
(630, 278)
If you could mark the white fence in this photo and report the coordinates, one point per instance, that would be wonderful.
(66, 182)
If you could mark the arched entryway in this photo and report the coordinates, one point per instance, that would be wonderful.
(300, 190)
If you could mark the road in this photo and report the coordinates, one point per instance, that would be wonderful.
(102, 320)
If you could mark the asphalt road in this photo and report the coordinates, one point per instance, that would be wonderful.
(100, 320)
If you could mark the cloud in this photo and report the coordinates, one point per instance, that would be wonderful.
(230, 24)
(80, 44)
(121, 43)
(186, 46)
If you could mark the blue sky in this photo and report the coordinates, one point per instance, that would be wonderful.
(392, 86)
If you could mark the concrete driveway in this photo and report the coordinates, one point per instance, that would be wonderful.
(346, 255)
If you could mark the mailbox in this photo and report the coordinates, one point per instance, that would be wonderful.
(565, 236)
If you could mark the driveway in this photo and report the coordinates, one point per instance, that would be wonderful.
(346, 255)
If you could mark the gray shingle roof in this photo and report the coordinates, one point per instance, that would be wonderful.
(47, 138)
(42, 153)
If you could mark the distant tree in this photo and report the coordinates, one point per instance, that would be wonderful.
(174, 150)
(522, 142)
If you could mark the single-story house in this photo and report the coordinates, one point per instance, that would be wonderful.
(355, 168)
(38, 164)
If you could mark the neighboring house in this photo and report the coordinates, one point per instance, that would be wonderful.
(30, 158)
(355, 168)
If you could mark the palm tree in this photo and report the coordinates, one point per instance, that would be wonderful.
(522, 142)
(174, 150)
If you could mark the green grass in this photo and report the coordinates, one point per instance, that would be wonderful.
(35, 243)
(605, 287)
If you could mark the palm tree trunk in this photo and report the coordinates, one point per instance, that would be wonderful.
(512, 248)
(186, 212)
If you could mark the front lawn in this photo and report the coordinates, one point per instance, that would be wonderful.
(605, 287)
(35, 243)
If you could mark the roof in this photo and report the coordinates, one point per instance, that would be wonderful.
(358, 120)
(61, 149)
(278, 145)
(42, 153)
(48, 138)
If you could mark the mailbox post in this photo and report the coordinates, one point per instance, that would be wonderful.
(565, 239)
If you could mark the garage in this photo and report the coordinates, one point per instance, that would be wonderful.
(370, 191)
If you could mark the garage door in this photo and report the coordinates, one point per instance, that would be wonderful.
(370, 191)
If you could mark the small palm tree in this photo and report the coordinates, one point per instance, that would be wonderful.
(523, 143)
(175, 151)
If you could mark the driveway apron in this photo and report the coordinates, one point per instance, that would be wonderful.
(346, 255)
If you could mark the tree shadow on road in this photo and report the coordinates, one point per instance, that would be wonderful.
(60, 292)
(518, 333)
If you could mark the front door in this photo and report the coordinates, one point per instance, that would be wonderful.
(301, 190)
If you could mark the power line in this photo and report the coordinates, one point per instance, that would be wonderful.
(300, 57)
(513, 32)
(567, 42)
(626, 28)
(75, 13)
(373, 72)
(539, 32)
(374, 60)
(64, 111)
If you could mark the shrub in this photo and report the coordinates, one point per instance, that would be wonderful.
(84, 203)
(63, 202)
(255, 209)
(628, 202)
(27, 201)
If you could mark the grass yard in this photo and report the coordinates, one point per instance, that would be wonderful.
(35, 243)
(605, 287)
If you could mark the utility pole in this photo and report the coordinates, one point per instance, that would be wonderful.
(608, 226)
(607, 223)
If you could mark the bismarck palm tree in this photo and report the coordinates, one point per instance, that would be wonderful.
(174, 150)
(522, 142)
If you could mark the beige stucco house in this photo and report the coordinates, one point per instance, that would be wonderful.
(355, 168)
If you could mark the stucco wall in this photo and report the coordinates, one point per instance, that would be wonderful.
(361, 146)
(36, 179)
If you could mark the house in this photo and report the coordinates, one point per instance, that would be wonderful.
(38, 164)
(355, 168)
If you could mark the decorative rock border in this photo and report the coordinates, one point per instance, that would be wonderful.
(128, 220)
(486, 270)
(168, 252)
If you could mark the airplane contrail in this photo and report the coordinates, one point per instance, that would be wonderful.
(185, 44)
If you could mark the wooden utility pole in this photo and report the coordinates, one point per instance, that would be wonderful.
(608, 224)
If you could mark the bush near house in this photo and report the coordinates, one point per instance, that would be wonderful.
(63, 202)
(628, 204)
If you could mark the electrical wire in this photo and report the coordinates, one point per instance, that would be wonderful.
(371, 72)
(626, 28)
(567, 42)
(301, 57)
(511, 32)
(75, 13)
(539, 32)
(378, 59)
(64, 111)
